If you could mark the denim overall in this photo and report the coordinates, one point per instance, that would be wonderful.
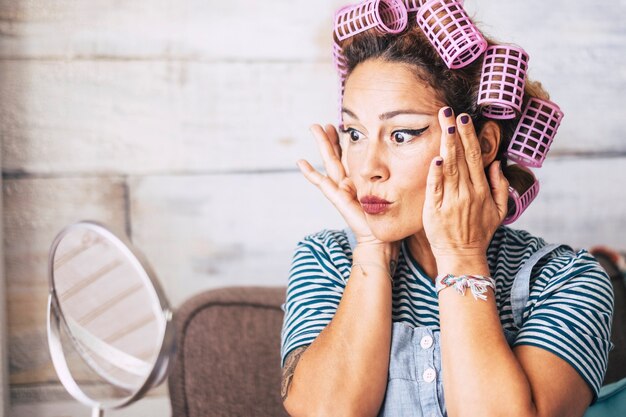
(415, 388)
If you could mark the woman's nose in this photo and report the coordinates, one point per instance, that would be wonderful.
(374, 164)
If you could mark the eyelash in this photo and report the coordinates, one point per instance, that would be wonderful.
(410, 132)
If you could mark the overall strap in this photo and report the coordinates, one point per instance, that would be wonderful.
(351, 238)
(521, 283)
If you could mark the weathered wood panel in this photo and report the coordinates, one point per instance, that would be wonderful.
(184, 117)
(4, 344)
(582, 202)
(160, 117)
(153, 406)
(279, 29)
(233, 29)
(35, 210)
(202, 232)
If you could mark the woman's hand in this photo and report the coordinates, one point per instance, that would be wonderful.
(336, 185)
(462, 210)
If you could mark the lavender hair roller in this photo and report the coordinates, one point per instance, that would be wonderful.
(502, 81)
(535, 133)
(450, 30)
(521, 203)
(387, 16)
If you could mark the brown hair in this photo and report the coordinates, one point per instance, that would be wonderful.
(457, 88)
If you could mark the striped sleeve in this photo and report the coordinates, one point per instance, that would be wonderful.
(572, 317)
(317, 279)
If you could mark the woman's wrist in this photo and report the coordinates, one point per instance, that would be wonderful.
(381, 253)
(463, 265)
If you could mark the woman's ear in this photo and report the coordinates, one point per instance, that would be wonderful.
(489, 138)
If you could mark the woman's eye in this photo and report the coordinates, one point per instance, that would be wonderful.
(400, 137)
(403, 136)
(353, 134)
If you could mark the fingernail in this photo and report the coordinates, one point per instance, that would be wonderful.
(447, 112)
(451, 130)
(465, 119)
(438, 162)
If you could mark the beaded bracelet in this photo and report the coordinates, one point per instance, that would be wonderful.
(477, 284)
(361, 264)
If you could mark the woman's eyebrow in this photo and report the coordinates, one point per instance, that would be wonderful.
(392, 114)
(388, 115)
(349, 113)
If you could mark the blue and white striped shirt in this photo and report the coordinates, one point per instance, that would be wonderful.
(569, 309)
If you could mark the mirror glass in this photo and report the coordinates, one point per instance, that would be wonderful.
(109, 323)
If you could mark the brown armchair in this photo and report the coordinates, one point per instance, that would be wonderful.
(228, 358)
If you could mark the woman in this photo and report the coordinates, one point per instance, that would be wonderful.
(421, 178)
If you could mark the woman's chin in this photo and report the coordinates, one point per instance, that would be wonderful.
(386, 232)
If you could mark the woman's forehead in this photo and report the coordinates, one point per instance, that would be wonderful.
(389, 86)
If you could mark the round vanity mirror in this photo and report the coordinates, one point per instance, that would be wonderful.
(109, 325)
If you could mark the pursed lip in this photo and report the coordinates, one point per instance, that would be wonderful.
(374, 205)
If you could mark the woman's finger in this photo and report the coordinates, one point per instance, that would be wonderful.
(451, 150)
(499, 188)
(434, 185)
(473, 154)
(332, 163)
(326, 185)
(342, 197)
(332, 134)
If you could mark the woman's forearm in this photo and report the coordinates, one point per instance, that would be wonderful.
(344, 371)
(482, 376)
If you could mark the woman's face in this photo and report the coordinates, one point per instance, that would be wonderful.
(390, 135)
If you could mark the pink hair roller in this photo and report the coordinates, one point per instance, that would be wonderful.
(450, 30)
(339, 60)
(342, 87)
(341, 66)
(502, 81)
(521, 203)
(414, 5)
(535, 133)
(387, 16)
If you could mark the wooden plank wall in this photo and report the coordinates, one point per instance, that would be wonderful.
(179, 123)
(4, 355)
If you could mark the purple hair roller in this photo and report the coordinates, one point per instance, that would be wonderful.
(502, 81)
(450, 30)
(387, 16)
(535, 133)
(521, 203)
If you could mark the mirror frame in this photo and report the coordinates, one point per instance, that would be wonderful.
(55, 320)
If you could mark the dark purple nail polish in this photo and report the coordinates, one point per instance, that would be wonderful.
(451, 130)
(438, 162)
(447, 112)
(465, 119)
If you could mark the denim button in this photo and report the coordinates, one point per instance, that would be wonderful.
(429, 375)
(426, 342)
